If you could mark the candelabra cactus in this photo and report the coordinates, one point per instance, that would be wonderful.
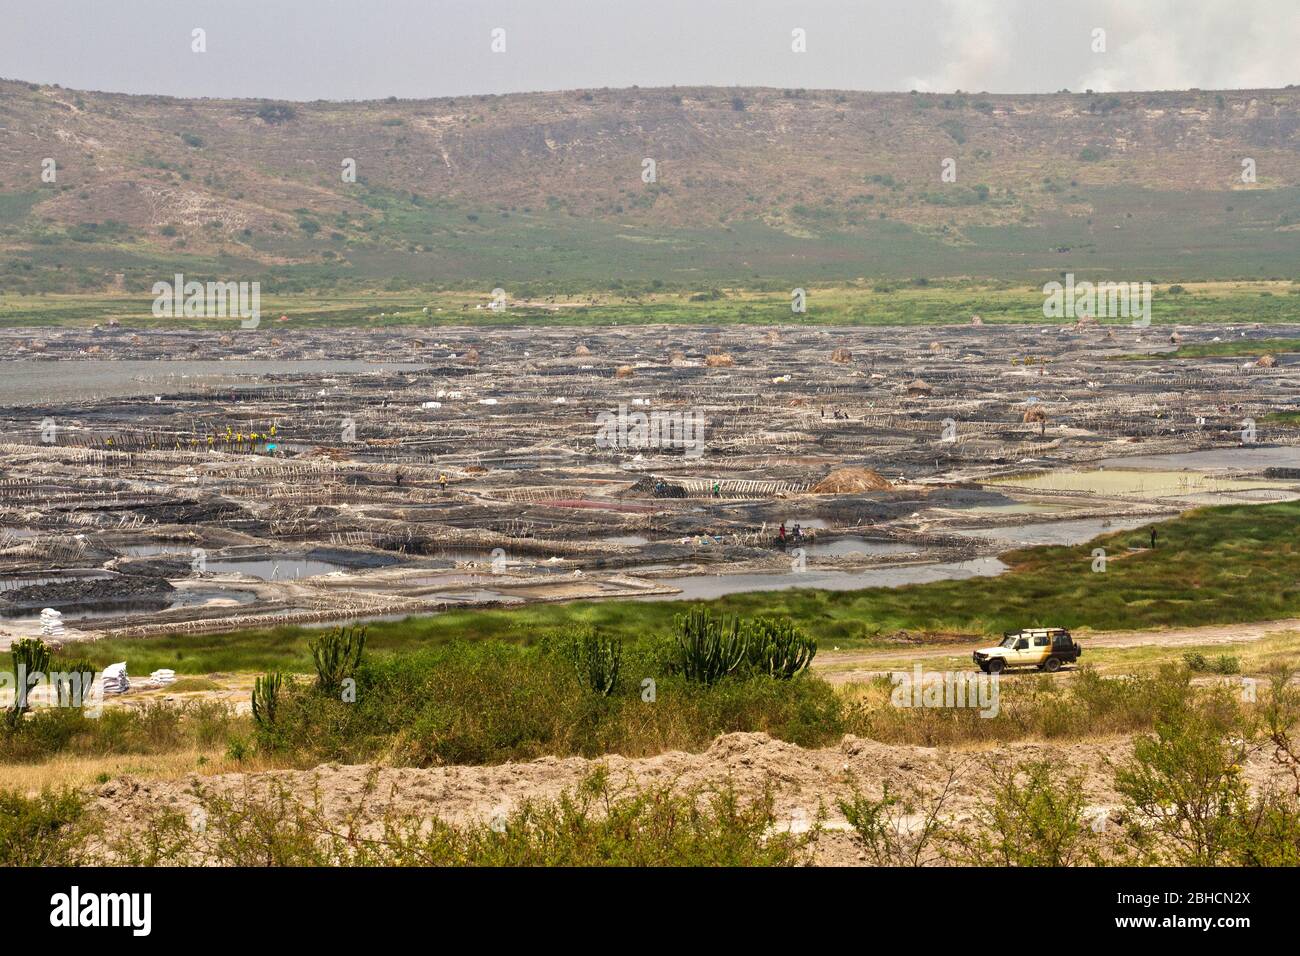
(778, 648)
(597, 660)
(31, 660)
(266, 698)
(708, 648)
(337, 654)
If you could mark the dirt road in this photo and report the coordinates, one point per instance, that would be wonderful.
(841, 667)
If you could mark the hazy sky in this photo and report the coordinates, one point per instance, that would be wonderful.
(361, 49)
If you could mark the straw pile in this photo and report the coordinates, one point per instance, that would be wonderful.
(843, 481)
(720, 360)
(842, 355)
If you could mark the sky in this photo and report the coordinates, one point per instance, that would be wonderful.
(367, 49)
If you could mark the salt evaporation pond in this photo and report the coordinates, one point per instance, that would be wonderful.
(704, 587)
(1071, 532)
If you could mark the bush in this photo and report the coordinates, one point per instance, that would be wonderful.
(155, 727)
(46, 830)
(592, 825)
(274, 113)
(884, 828)
(488, 702)
(1033, 817)
(1183, 786)
(1226, 664)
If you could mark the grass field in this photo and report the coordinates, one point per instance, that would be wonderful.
(1213, 566)
(878, 303)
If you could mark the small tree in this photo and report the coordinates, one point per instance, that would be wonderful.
(1185, 784)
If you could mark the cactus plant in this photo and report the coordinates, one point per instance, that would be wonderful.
(778, 648)
(266, 698)
(337, 654)
(708, 648)
(31, 660)
(597, 660)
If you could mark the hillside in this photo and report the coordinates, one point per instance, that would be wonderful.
(754, 187)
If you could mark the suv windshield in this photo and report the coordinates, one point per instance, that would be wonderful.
(1009, 640)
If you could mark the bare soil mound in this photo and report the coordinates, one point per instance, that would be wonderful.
(802, 782)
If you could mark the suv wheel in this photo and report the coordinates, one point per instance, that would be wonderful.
(1052, 665)
(996, 666)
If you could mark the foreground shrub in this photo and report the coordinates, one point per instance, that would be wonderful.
(1033, 816)
(592, 825)
(903, 828)
(1184, 787)
(46, 830)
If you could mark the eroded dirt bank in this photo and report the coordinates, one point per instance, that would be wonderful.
(801, 780)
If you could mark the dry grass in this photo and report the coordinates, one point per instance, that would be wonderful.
(77, 771)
